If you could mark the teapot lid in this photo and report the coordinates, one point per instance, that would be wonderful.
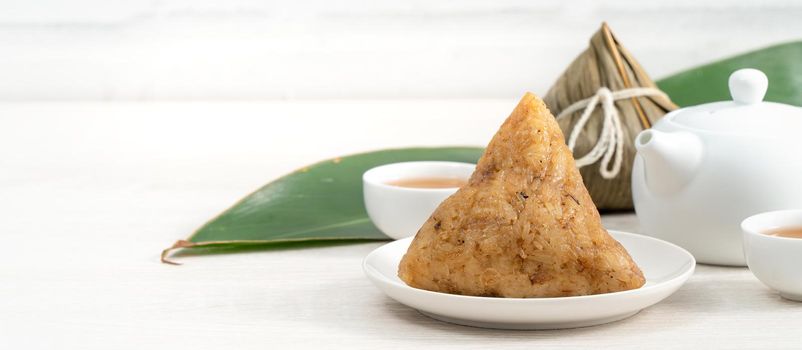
(746, 113)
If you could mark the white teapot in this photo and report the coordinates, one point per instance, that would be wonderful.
(701, 170)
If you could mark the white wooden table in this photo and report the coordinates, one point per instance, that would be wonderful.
(90, 193)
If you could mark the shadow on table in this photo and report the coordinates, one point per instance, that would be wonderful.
(390, 320)
(346, 305)
(468, 333)
(682, 309)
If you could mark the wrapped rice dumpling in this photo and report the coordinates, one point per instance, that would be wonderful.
(602, 101)
(524, 226)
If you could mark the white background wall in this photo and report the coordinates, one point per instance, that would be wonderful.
(256, 49)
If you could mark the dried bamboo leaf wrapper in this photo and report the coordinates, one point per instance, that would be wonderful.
(607, 64)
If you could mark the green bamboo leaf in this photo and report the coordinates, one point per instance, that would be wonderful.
(708, 83)
(320, 202)
(323, 202)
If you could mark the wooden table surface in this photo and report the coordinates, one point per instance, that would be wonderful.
(91, 192)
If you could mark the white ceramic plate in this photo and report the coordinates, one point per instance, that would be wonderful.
(666, 267)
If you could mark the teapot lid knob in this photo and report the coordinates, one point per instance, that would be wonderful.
(748, 86)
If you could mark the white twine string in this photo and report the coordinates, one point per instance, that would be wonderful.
(611, 138)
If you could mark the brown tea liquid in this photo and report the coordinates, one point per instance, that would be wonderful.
(787, 232)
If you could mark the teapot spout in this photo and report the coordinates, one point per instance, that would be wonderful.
(670, 159)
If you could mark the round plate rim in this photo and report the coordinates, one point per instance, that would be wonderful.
(376, 276)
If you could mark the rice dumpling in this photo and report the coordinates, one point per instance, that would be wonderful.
(606, 70)
(524, 225)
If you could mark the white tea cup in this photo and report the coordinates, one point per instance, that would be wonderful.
(398, 211)
(775, 260)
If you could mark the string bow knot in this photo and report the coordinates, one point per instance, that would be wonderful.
(610, 144)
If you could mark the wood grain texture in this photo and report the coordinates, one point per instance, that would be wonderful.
(92, 192)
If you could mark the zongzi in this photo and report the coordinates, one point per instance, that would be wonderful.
(523, 226)
(603, 100)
